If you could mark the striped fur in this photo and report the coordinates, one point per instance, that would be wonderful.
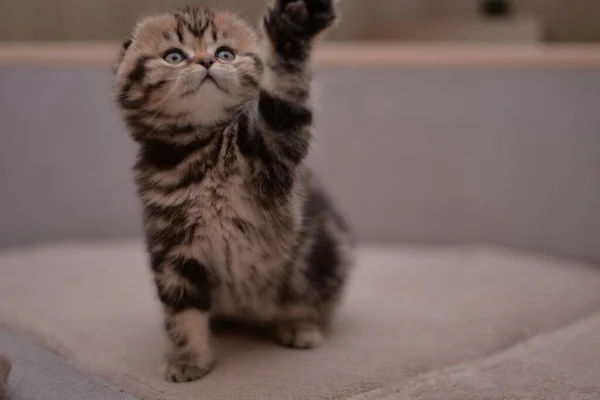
(236, 226)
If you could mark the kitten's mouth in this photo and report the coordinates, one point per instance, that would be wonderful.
(208, 79)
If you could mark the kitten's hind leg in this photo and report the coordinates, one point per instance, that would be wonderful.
(299, 327)
(315, 286)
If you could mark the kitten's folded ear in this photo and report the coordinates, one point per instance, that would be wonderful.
(122, 52)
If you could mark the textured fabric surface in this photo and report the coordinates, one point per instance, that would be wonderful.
(411, 313)
(561, 365)
(40, 375)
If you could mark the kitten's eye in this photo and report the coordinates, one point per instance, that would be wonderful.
(174, 57)
(225, 53)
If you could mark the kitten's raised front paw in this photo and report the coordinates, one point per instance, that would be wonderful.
(298, 20)
(296, 11)
(299, 334)
(185, 369)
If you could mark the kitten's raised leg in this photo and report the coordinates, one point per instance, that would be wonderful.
(184, 290)
(291, 26)
(275, 134)
(290, 29)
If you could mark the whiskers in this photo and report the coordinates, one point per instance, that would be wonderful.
(166, 98)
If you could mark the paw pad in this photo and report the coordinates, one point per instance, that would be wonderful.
(297, 12)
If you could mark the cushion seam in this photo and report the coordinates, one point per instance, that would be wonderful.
(432, 374)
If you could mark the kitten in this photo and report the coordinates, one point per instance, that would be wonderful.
(236, 225)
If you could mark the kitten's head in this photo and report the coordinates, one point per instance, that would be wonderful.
(196, 64)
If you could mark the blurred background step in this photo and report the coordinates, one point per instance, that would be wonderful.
(511, 29)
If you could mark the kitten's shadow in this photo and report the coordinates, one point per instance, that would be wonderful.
(240, 342)
(266, 332)
(221, 326)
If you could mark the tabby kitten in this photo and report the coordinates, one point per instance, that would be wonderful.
(236, 226)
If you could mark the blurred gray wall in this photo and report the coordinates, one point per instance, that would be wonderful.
(508, 157)
(563, 20)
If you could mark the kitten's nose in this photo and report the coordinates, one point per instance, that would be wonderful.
(206, 61)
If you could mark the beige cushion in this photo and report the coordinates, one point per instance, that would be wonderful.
(424, 322)
(560, 365)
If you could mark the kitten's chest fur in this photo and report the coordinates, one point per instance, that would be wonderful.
(244, 249)
(242, 244)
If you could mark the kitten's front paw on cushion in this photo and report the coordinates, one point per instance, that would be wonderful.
(188, 369)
